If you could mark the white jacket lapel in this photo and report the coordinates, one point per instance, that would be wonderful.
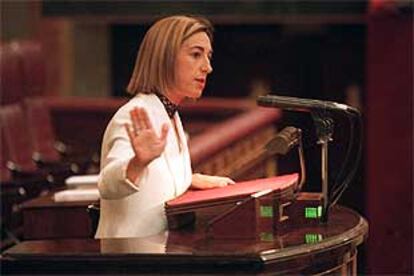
(171, 148)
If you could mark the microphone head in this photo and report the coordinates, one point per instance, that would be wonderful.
(304, 105)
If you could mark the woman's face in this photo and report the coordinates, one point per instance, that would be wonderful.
(191, 68)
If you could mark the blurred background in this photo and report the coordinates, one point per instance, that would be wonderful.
(354, 52)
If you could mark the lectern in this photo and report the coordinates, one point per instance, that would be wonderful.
(259, 209)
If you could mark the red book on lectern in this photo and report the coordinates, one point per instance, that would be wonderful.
(195, 199)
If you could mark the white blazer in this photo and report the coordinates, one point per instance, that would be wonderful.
(137, 209)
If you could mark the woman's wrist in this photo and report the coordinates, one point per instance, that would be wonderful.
(135, 168)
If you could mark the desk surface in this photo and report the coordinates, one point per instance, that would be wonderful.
(309, 249)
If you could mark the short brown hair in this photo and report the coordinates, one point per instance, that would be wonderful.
(154, 66)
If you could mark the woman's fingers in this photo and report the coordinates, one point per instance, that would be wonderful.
(140, 117)
(164, 132)
(141, 121)
(146, 122)
(130, 131)
(224, 181)
(136, 125)
(229, 180)
(145, 142)
(202, 181)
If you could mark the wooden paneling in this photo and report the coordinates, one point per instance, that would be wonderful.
(389, 142)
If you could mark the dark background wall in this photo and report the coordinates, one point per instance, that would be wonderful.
(389, 148)
(319, 61)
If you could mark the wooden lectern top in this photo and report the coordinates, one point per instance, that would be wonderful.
(330, 248)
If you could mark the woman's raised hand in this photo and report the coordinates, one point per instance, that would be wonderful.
(145, 142)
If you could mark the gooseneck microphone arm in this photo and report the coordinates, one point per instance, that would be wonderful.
(282, 143)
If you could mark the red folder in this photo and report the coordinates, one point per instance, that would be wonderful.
(281, 186)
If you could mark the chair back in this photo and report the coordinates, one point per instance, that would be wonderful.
(5, 173)
(41, 129)
(11, 82)
(33, 66)
(16, 137)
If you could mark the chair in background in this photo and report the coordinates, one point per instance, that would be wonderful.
(47, 149)
(11, 195)
(14, 190)
(11, 82)
(33, 66)
(17, 141)
(14, 185)
(41, 132)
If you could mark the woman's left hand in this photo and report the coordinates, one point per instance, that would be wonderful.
(202, 181)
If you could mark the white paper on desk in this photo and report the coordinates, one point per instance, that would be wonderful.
(82, 181)
(77, 195)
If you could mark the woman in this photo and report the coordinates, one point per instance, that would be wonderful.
(145, 160)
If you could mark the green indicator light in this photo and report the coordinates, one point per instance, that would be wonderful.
(310, 212)
(313, 212)
(266, 236)
(319, 211)
(313, 238)
(266, 211)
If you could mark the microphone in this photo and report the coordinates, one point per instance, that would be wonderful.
(305, 105)
(324, 129)
(284, 141)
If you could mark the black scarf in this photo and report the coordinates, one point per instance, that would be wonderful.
(170, 107)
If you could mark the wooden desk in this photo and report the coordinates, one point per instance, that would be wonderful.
(330, 248)
(45, 219)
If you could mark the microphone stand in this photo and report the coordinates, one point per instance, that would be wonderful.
(324, 129)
